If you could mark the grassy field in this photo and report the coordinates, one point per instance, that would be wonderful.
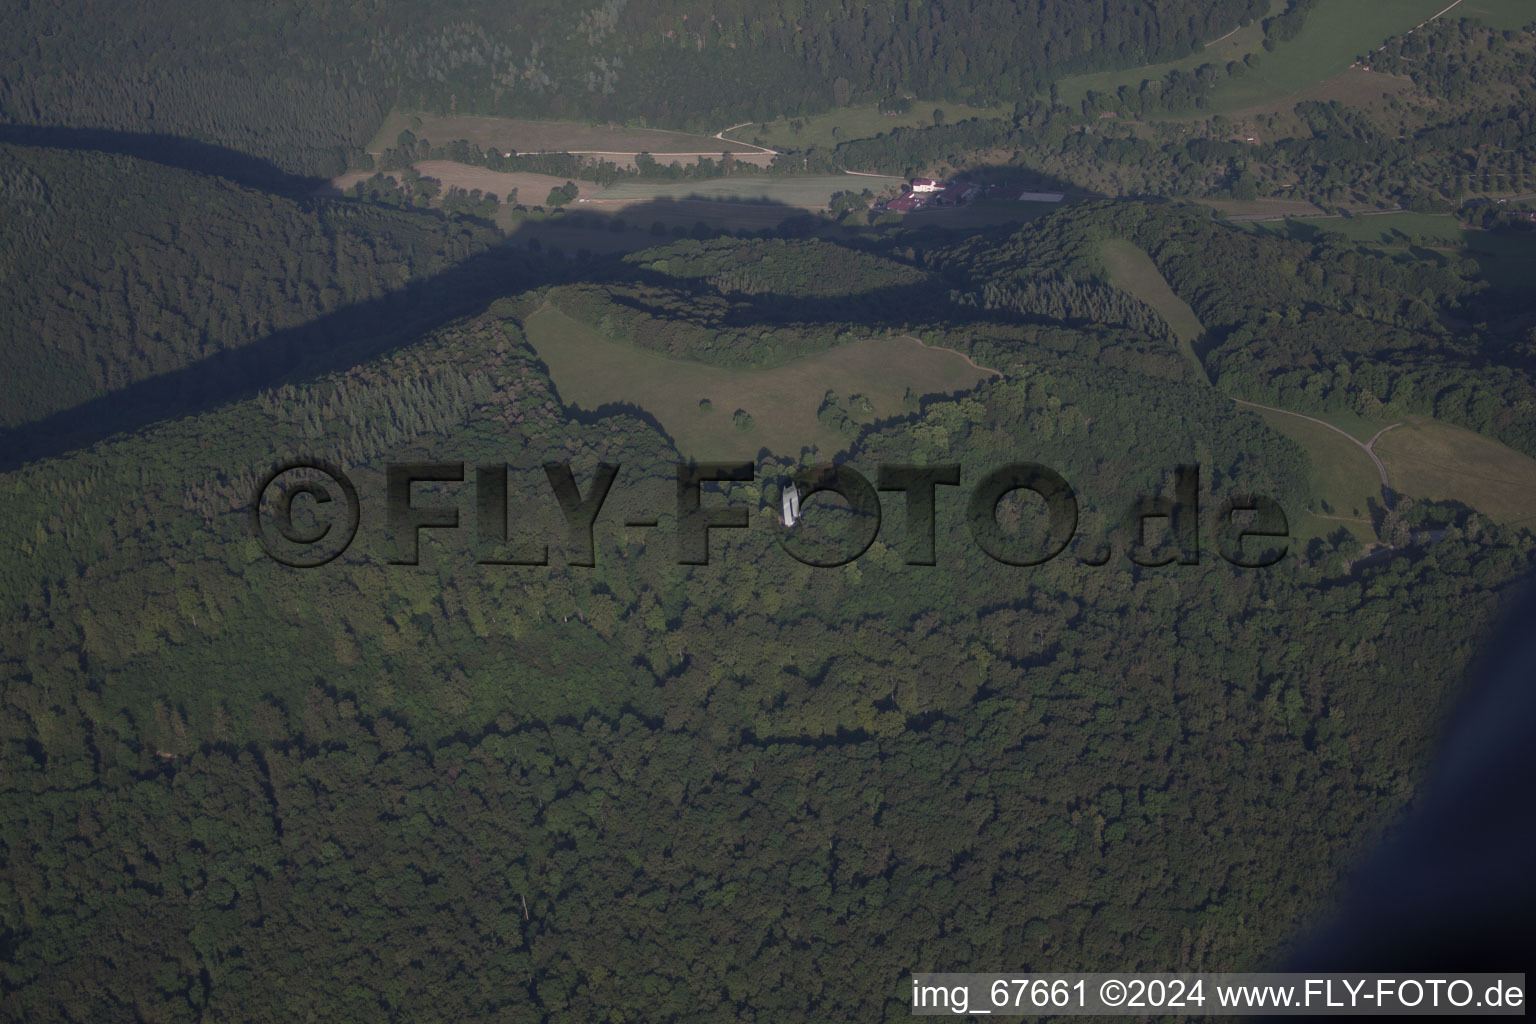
(1355, 426)
(591, 371)
(1356, 87)
(1132, 270)
(1234, 46)
(1267, 207)
(532, 189)
(813, 192)
(824, 131)
(763, 202)
(546, 136)
(1499, 13)
(1429, 459)
(1383, 228)
(1336, 32)
(1344, 480)
(1425, 459)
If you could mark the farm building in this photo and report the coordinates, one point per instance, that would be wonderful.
(905, 204)
(925, 185)
(953, 195)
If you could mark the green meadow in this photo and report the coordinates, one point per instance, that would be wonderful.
(1499, 13)
(591, 371)
(1235, 46)
(1335, 34)
(810, 192)
(1343, 480)
(1132, 270)
(1441, 462)
(533, 136)
(1507, 259)
(824, 131)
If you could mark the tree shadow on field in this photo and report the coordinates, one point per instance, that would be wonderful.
(526, 258)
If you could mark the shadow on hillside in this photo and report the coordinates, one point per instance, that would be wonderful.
(331, 342)
(524, 260)
(900, 305)
(169, 150)
(1022, 178)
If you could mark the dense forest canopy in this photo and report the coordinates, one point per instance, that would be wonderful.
(1321, 326)
(622, 783)
(440, 791)
(1441, 120)
(302, 84)
(752, 770)
(115, 270)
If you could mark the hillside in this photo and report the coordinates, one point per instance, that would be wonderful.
(1427, 120)
(503, 517)
(116, 270)
(466, 761)
(196, 70)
